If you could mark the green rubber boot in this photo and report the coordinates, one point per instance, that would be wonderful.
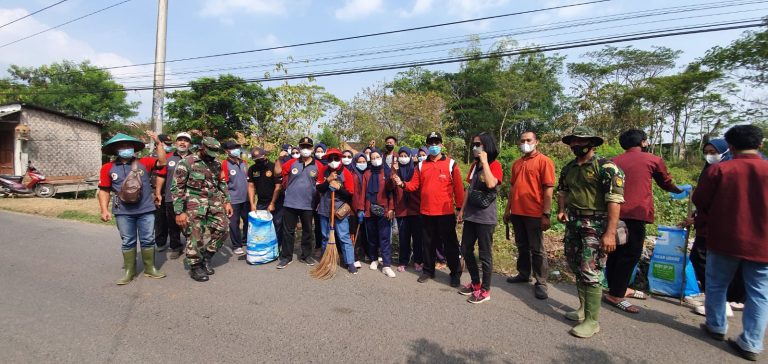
(148, 257)
(578, 315)
(129, 267)
(589, 327)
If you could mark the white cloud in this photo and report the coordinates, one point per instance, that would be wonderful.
(564, 13)
(271, 40)
(419, 7)
(221, 8)
(468, 9)
(357, 9)
(56, 45)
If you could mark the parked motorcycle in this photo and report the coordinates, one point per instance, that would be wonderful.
(13, 185)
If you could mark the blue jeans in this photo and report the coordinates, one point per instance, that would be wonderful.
(720, 271)
(342, 232)
(140, 226)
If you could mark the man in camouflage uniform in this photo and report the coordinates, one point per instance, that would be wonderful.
(202, 207)
(590, 191)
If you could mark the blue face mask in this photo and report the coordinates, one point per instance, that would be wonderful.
(125, 153)
(168, 148)
(361, 166)
(434, 150)
(422, 158)
(235, 153)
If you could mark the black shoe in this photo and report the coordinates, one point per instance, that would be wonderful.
(197, 273)
(455, 281)
(207, 263)
(161, 248)
(743, 353)
(308, 261)
(424, 277)
(714, 335)
(540, 291)
(284, 263)
(519, 279)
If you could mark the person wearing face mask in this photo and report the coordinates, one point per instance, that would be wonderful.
(715, 151)
(319, 151)
(135, 215)
(390, 156)
(528, 210)
(732, 200)
(161, 225)
(408, 218)
(337, 179)
(265, 189)
(367, 152)
(441, 192)
(202, 206)
(346, 160)
(285, 153)
(235, 173)
(299, 181)
(639, 169)
(295, 153)
(378, 210)
(182, 143)
(422, 154)
(357, 224)
(590, 193)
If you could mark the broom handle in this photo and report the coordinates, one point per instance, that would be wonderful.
(685, 249)
(333, 207)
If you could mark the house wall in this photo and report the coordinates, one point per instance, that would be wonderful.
(61, 146)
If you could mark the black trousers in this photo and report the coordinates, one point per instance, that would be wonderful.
(239, 213)
(736, 291)
(173, 231)
(483, 235)
(161, 225)
(291, 217)
(531, 257)
(621, 263)
(361, 239)
(440, 232)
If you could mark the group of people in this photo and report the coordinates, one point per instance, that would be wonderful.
(605, 205)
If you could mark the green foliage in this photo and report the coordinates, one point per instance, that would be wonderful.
(328, 137)
(219, 106)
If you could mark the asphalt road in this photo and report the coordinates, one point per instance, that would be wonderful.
(58, 303)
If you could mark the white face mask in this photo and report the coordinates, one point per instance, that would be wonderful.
(404, 160)
(295, 155)
(306, 152)
(376, 162)
(346, 161)
(713, 158)
(422, 158)
(334, 164)
(361, 166)
(527, 148)
(319, 155)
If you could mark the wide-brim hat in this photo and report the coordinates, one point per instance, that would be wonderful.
(111, 145)
(585, 133)
(230, 144)
(331, 152)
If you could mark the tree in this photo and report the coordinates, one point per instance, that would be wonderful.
(220, 106)
(328, 137)
(78, 89)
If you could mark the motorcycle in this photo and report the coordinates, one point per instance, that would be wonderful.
(13, 185)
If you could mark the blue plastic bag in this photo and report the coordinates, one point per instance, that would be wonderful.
(262, 239)
(665, 271)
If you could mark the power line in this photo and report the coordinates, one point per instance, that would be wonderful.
(361, 36)
(438, 61)
(63, 24)
(32, 13)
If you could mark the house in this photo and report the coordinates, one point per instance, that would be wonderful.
(61, 146)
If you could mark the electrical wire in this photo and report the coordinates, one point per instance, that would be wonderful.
(32, 13)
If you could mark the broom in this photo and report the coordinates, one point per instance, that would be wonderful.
(326, 269)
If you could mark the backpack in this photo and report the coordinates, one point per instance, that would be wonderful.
(130, 191)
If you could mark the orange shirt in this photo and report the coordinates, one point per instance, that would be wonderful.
(530, 174)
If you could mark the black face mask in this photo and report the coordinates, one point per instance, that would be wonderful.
(644, 149)
(390, 147)
(260, 162)
(580, 150)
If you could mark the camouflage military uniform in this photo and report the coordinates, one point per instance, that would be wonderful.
(199, 192)
(588, 188)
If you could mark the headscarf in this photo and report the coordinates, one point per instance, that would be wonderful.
(721, 146)
(373, 183)
(351, 166)
(356, 172)
(405, 171)
(324, 148)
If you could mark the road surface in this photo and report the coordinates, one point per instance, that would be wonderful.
(58, 303)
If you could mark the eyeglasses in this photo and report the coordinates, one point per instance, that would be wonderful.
(477, 144)
(334, 159)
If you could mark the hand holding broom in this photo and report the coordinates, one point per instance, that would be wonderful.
(326, 269)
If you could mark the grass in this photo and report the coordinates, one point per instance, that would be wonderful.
(82, 216)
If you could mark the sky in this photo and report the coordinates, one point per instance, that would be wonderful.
(125, 34)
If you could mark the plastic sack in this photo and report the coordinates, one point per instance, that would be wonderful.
(665, 275)
(262, 239)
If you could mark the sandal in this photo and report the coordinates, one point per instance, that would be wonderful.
(640, 295)
(623, 305)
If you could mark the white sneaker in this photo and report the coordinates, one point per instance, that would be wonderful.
(374, 265)
(702, 311)
(389, 272)
(358, 264)
(381, 260)
(238, 251)
(695, 300)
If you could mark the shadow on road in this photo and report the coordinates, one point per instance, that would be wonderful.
(580, 354)
(425, 351)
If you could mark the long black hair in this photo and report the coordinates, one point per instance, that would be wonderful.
(489, 145)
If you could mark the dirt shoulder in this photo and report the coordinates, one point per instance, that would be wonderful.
(86, 210)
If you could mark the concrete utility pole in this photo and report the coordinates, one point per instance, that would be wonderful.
(159, 84)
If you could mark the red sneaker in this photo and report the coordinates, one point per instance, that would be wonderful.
(479, 296)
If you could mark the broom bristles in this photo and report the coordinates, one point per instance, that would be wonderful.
(326, 269)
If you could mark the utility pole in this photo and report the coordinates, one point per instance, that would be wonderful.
(158, 88)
